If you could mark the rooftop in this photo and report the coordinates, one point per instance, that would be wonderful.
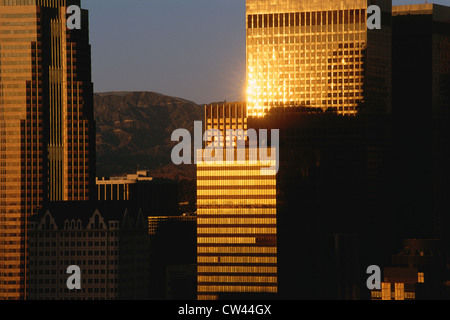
(439, 12)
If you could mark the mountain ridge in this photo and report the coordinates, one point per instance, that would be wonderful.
(134, 131)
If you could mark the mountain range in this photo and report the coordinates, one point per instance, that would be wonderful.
(134, 132)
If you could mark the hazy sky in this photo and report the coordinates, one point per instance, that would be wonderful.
(193, 49)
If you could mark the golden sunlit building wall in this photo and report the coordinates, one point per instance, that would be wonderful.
(317, 54)
(236, 215)
(236, 229)
(47, 130)
(227, 116)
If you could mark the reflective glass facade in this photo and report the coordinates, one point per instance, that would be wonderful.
(46, 123)
(236, 229)
(228, 116)
(317, 54)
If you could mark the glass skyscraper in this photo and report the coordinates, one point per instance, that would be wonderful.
(317, 54)
(236, 211)
(236, 228)
(47, 131)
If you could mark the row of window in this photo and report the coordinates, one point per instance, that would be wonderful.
(238, 259)
(236, 230)
(237, 269)
(204, 222)
(238, 250)
(237, 288)
(318, 42)
(100, 271)
(72, 253)
(65, 234)
(245, 211)
(237, 279)
(53, 290)
(237, 192)
(244, 201)
(296, 19)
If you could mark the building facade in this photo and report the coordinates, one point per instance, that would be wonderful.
(47, 129)
(333, 181)
(236, 228)
(421, 96)
(318, 54)
(236, 210)
(223, 117)
(108, 242)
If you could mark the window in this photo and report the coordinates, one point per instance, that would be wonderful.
(399, 291)
(385, 291)
(421, 277)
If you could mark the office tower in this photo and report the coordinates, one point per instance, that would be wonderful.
(318, 54)
(47, 130)
(155, 196)
(421, 96)
(236, 214)
(236, 230)
(107, 241)
(332, 198)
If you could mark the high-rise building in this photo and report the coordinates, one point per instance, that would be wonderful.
(236, 212)
(308, 63)
(332, 183)
(421, 97)
(318, 54)
(47, 129)
(236, 228)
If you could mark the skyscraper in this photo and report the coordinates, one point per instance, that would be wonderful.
(421, 97)
(236, 213)
(236, 229)
(47, 129)
(318, 54)
(308, 64)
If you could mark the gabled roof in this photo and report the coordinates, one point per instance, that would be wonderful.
(84, 210)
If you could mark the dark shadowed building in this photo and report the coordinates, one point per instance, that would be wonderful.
(421, 100)
(333, 194)
(156, 197)
(418, 272)
(107, 241)
(173, 271)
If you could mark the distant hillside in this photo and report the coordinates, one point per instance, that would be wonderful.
(134, 131)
